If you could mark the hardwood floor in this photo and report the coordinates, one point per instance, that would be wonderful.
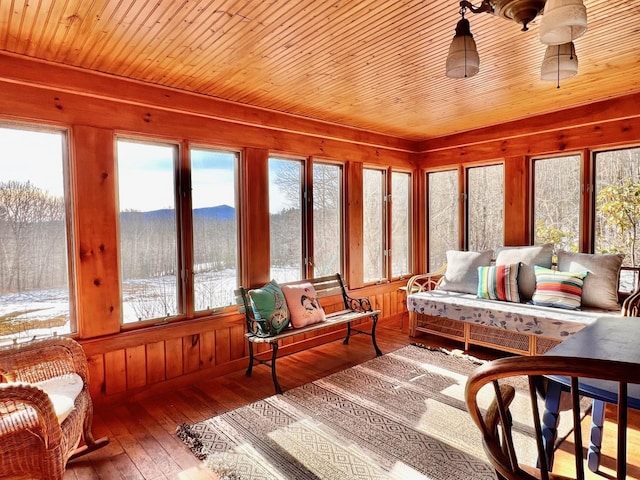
(143, 444)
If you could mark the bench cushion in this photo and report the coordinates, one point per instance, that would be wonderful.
(302, 301)
(269, 304)
(526, 318)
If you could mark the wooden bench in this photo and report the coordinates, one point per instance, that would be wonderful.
(354, 309)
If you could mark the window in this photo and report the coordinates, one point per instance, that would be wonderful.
(400, 224)
(34, 239)
(443, 192)
(374, 194)
(617, 206)
(556, 202)
(301, 248)
(286, 178)
(215, 231)
(327, 219)
(148, 231)
(172, 265)
(485, 207)
(386, 224)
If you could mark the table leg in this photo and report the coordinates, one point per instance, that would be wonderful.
(550, 419)
(595, 440)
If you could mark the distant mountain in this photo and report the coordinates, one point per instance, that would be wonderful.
(219, 212)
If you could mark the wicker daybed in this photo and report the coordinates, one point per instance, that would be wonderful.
(522, 328)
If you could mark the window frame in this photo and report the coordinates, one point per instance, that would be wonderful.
(590, 234)
(458, 169)
(410, 224)
(307, 204)
(466, 196)
(182, 179)
(583, 203)
(311, 189)
(385, 233)
(71, 240)
(187, 213)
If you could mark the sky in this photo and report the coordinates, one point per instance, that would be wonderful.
(34, 156)
(145, 170)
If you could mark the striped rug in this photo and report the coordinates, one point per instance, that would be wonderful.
(399, 416)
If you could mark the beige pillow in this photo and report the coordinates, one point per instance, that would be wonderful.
(303, 304)
(528, 257)
(600, 288)
(461, 274)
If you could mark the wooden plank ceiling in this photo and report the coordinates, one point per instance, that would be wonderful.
(372, 64)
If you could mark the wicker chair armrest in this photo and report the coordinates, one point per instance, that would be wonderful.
(40, 360)
(27, 407)
(425, 281)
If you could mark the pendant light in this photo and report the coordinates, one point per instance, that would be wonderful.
(560, 62)
(463, 60)
(563, 21)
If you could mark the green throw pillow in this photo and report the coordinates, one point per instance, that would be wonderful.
(269, 304)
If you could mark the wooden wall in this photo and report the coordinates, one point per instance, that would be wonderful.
(94, 109)
(580, 130)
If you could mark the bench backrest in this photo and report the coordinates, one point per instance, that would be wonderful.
(327, 286)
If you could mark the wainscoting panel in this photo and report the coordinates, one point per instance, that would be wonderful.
(141, 362)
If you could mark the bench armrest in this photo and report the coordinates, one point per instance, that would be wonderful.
(260, 327)
(425, 281)
(362, 304)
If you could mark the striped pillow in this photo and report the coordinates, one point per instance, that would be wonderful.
(499, 282)
(558, 289)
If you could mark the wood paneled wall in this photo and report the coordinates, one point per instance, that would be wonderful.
(581, 130)
(94, 109)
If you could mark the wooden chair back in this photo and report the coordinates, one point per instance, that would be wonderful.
(495, 418)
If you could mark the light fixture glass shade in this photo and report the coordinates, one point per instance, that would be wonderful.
(562, 21)
(463, 60)
(560, 62)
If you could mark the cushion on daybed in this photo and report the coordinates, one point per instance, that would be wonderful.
(558, 289)
(461, 274)
(550, 322)
(528, 256)
(600, 288)
(499, 282)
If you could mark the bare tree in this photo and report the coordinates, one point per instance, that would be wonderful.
(32, 232)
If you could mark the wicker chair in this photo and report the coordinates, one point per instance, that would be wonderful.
(33, 441)
(496, 421)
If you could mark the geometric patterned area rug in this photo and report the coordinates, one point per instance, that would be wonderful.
(399, 416)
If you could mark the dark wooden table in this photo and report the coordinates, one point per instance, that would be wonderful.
(608, 338)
